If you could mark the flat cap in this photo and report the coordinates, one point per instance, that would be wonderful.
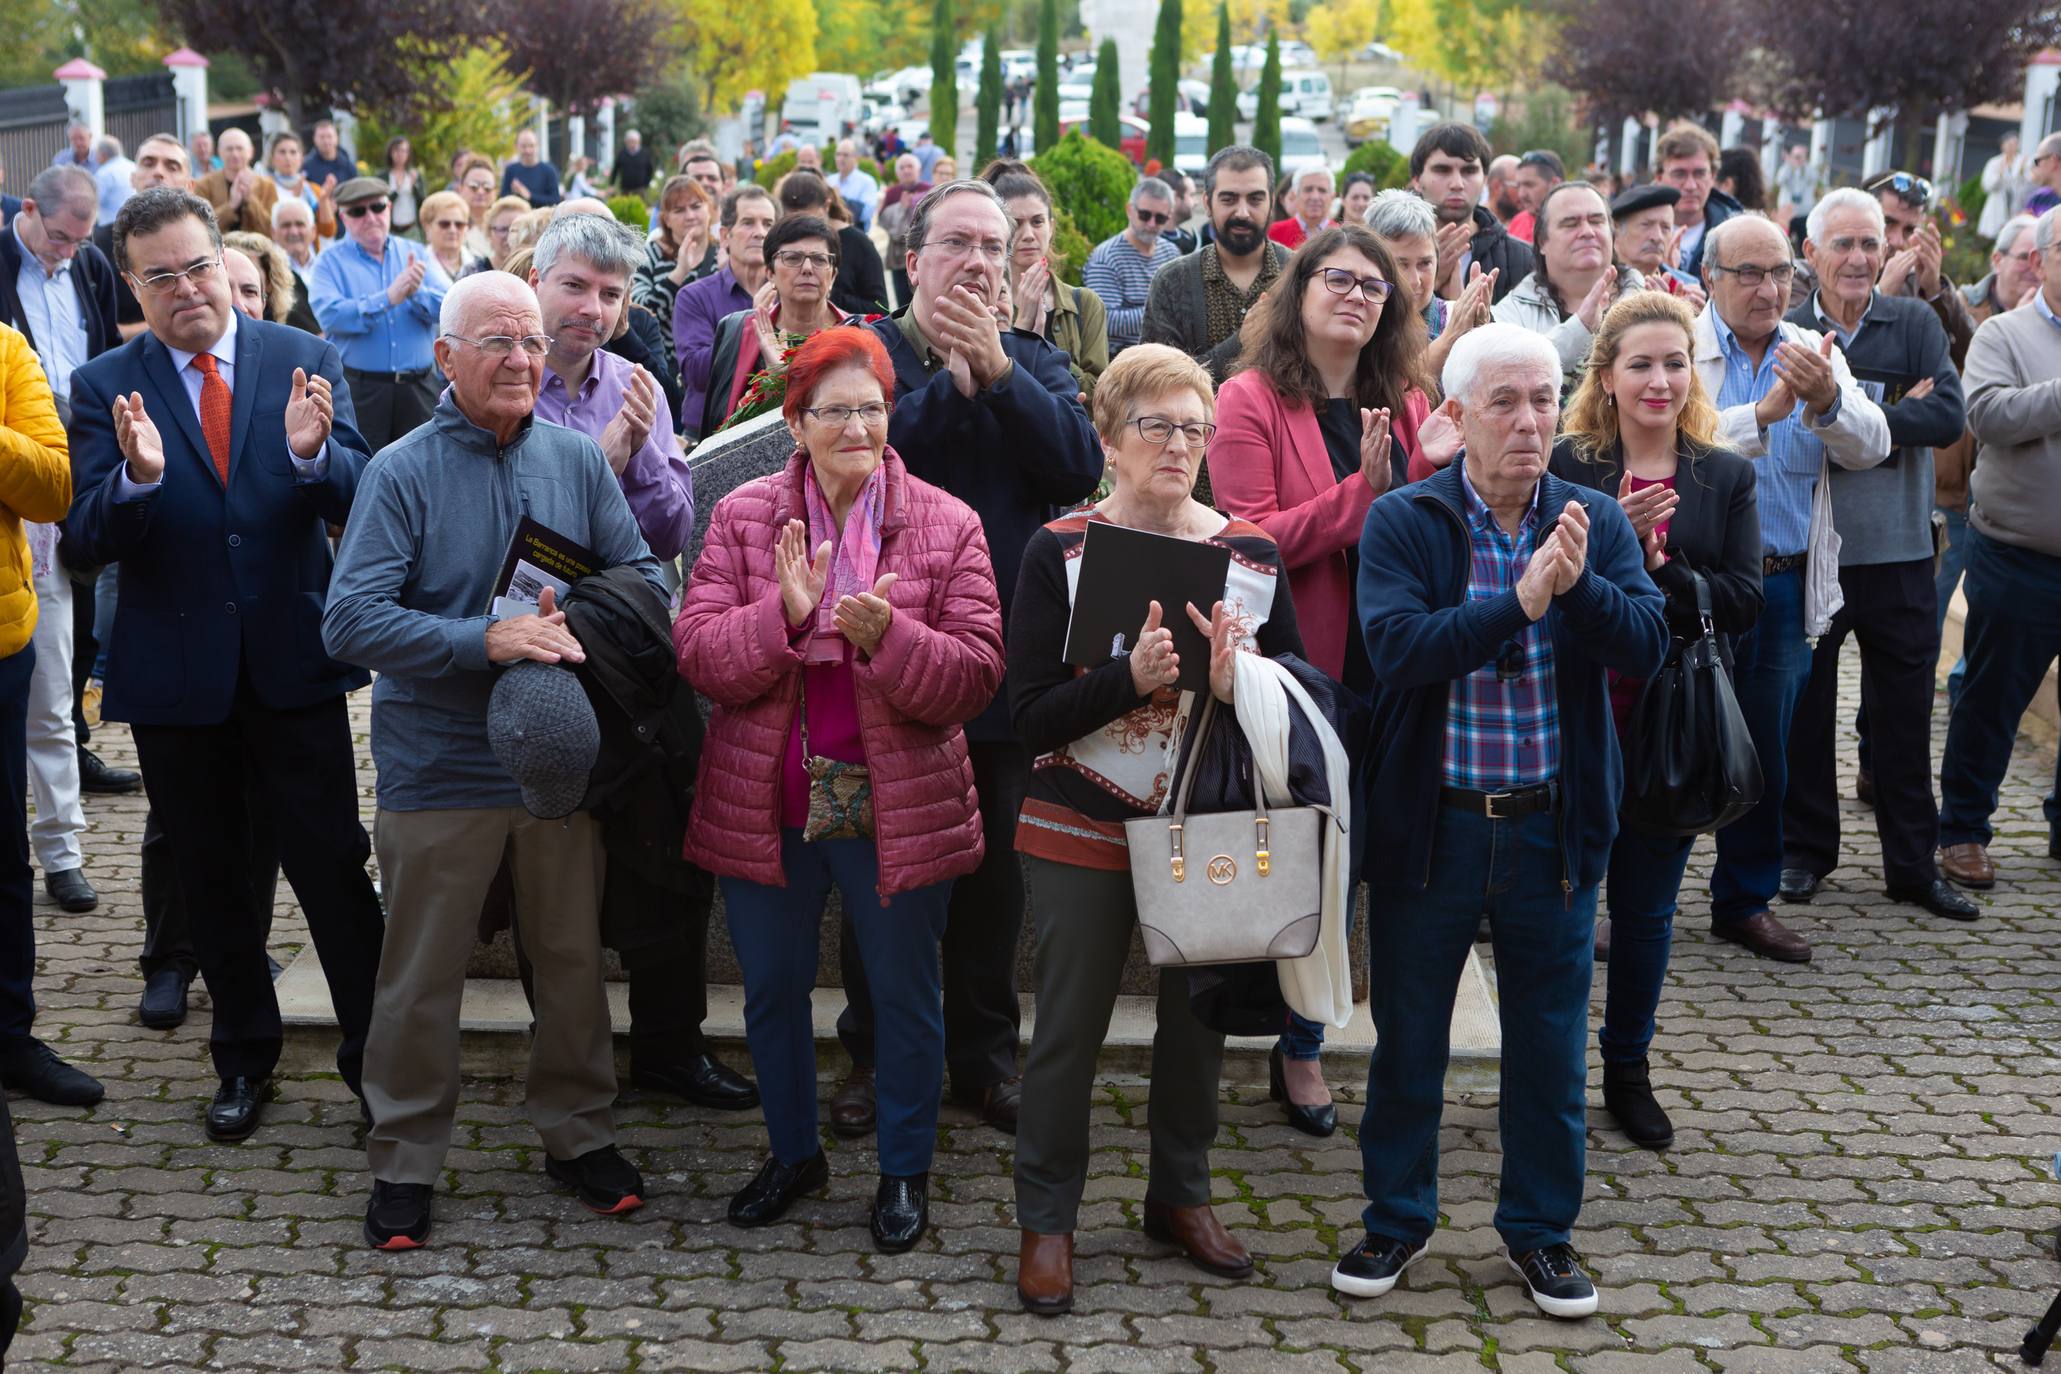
(1638, 198)
(359, 188)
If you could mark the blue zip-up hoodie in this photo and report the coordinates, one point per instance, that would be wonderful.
(1423, 633)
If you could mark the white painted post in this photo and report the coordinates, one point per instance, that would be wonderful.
(1821, 147)
(1771, 143)
(189, 92)
(1628, 146)
(1949, 136)
(576, 137)
(541, 122)
(271, 120)
(1732, 125)
(2042, 77)
(604, 135)
(1880, 147)
(1402, 125)
(347, 137)
(84, 96)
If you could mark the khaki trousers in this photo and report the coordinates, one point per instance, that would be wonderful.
(435, 867)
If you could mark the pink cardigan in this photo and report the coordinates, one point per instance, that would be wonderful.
(1268, 465)
(938, 666)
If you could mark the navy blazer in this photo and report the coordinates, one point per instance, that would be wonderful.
(215, 582)
(93, 280)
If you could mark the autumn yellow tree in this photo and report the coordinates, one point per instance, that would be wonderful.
(1338, 28)
(1250, 19)
(1476, 45)
(760, 46)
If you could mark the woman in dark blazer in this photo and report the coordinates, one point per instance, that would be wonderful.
(1641, 428)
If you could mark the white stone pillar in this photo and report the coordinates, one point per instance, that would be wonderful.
(83, 93)
(1732, 125)
(2042, 77)
(271, 120)
(1628, 146)
(540, 121)
(575, 137)
(1771, 143)
(189, 92)
(1949, 135)
(1881, 144)
(347, 136)
(1402, 125)
(604, 134)
(1821, 145)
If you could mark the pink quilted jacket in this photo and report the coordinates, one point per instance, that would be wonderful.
(938, 666)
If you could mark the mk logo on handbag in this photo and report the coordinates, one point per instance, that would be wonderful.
(1221, 869)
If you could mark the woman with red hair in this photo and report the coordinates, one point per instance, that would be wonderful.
(843, 618)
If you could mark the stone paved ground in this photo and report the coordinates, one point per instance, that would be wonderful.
(1859, 1182)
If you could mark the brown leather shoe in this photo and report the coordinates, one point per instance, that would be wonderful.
(1044, 1274)
(998, 1105)
(1767, 937)
(852, 1111)
(1968, 865)
(1198, 1232)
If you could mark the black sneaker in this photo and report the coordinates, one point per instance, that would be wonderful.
(602, 1179)
(1558, 1285)
(1372, 1267)
(398, 1216)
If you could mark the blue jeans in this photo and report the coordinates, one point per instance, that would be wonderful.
(1645, 880)
(775, 932)
(2013, 633)
(1544, 937)
(1770, 665)
(104, 616)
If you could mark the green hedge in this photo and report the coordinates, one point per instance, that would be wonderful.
(631, 210)
(1089, 182)
(1389, 168)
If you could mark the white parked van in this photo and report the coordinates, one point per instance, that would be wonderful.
(1304, 93)
(823, 107)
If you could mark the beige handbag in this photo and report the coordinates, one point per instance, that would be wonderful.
(1229, 887)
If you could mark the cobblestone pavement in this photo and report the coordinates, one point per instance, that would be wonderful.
(1859, 1182)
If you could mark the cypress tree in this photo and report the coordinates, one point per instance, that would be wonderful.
(1223, 86)
(1163, 90)
(1106, 98)
(1045, 121)
(988, 103)
(944, 79)
(1266, 126)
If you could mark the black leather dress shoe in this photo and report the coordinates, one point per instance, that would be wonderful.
(233, 1115)
(164, 999)
(29, 1066)
(901, 1212)
(69, 889)
(767, 1197)
(1799, 885)
(96, 776)
(1939, 897)
(1317, 1121)
(703, 1080)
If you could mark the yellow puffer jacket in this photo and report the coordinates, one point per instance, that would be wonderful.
(35, 479)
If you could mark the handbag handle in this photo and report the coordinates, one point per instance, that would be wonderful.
(1263, 859)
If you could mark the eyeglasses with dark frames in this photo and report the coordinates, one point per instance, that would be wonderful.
(1157, 429)
(837, 417)
(1751, 275)
(1340, 282)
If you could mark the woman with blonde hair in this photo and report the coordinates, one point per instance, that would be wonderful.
(445, 223)
(1641, 428)
(499, 223)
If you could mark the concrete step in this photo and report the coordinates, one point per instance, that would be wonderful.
(494, 1023)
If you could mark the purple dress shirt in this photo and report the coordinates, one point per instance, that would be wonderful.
(657, 483)
(697, 310)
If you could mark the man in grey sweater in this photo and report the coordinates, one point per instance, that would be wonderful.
(415, 579)
(2013, 584)
(1901, 357)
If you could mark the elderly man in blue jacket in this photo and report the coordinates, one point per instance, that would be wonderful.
(992, 415)
(1493, 597)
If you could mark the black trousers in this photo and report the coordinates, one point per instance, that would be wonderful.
(982, 925)
(390, 404)
(167, 931)
(1891, 609)
(205, 783)
(17, 878)
(85, 648)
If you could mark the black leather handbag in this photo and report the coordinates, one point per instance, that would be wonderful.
(1689, 763)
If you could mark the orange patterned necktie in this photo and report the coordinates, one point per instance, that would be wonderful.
(215, 405)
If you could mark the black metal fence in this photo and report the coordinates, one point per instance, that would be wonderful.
(33, 120)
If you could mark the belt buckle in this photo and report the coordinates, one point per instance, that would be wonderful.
(1489, 800)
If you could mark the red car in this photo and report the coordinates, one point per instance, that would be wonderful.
(1135, 129)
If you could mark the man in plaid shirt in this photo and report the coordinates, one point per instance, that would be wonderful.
(1493, 597)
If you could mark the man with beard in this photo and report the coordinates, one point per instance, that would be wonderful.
(992, 415)
(1198, 301)
(1446, 170)
(1502, 188)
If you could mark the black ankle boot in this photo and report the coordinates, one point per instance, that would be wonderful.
(1628, 1096)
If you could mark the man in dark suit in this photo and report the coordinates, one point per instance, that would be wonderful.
(993, 416)
(211, 456)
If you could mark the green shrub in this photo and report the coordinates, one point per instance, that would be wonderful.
(1070, 247)
(1389, 168)
(1089, 182)
(773, 168)
(631, 210)
(1970, 197)
(1547, 121)
(667, 113)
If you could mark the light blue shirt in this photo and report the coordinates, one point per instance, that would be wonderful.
(1787, 473)
(50, 308)
(113, 178)
(2039, 303)
(347, 290)
(862, 193)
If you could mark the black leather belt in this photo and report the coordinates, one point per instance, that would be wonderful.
(352, 374)
(1504, 805)
(1782, 562)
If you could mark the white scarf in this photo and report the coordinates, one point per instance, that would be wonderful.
(1318, 986)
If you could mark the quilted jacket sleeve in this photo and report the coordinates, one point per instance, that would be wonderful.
(732, 646)
(945, 673)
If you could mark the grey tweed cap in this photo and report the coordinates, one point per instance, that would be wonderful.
(543, 730)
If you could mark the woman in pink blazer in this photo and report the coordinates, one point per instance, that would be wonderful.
(1321, 417)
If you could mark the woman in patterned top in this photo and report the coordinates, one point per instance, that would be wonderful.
(1105, 742)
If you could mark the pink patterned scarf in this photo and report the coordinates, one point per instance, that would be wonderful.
(854, 555)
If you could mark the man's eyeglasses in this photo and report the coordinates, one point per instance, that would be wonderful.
(165, 283)
(837, 417)
(454, 224)
(1751, 275)
(374, 207)
(1157, 429)
(794, 259)
(1155, 218)
(1340, 282)
(59, 239)
(959, 246)
(501, 345)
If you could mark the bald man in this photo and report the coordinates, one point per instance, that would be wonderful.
(241, 195)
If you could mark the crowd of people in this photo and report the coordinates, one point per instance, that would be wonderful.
(1485, 455)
